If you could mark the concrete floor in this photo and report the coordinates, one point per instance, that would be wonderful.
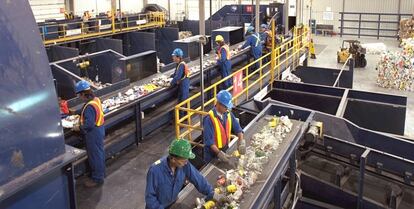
(125, 180)
(364, 78)
(126, 174)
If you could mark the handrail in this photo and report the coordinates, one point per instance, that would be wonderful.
(79, 30)
(342, 69)
(278, 58)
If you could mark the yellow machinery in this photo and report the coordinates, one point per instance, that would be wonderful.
(354, 48)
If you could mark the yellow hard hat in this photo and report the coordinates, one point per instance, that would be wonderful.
(219, 38)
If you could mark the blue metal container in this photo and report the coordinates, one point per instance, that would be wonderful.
(35, 164)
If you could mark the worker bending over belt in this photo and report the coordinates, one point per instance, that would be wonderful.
(180, 76)
(93, 131)
(223, 60)
(217, 126)
(166, 177)
(253, 40)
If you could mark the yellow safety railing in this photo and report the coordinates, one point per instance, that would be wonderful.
(97, 27)
(271, 64)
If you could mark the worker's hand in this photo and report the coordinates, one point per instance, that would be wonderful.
(220, 198)
(227, 159)
(233, 162)
(76, 128)
(223, 156)
(72, 111)
(242, 147)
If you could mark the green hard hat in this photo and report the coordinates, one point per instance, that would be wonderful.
(181, 148)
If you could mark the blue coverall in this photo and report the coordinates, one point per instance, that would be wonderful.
(163, 186)
(94, 138)
(182, 82)
(209, 135)
(263, 40)
(225, 67)
(263, 37)
(256, 47)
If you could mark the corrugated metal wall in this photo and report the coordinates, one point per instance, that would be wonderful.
(407, 6)
(365, 6)
(47, 9)
(377, 6)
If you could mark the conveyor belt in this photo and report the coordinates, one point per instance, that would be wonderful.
(126, 113)
(162, 94)
(194, 76)
(188, 195)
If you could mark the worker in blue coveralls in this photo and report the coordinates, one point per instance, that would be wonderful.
(266, 40)
(253, 40)
(166, 177)
(92, 129)
(180, 76)
(217, 127)
(223, 60)
(263, 33)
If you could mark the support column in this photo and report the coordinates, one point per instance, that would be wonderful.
(299, 12)
(399, 11)
(144, 3)
(69, 6)
(113, 13)
(120, 8)
(286, 16)
(211, 22)
(169, 10)
(202, 27)
(113, 5)
(202, 17)
(342, 17)
(399, 6)
(186, 9)
(257, 9)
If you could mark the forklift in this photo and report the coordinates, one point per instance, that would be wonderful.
(354, 48)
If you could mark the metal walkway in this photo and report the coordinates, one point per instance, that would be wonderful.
(59, 33)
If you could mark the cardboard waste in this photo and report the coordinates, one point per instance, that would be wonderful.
(406, 28)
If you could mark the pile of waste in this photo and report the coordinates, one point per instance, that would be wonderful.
(406, 28)
(408, 46)
(70, 121)
(292, 78)
(234, 52)
(122, 98)
(206, 64)
(396, 69)
(234, 183)
(97, 84)
(162, 81)
(374, 48)
(128, 96)
(184, 34)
